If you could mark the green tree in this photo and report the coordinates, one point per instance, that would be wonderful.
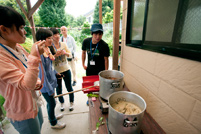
(85, 32)
(80, 20)
(37, 20)
(52, 13)
(74, 22)
(109, 16)
(70, 20)
(107, 6)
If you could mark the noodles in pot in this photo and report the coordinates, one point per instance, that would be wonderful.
(126, 108)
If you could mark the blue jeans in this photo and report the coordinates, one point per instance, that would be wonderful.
(50, 108)
(67, 80)
(29, 126)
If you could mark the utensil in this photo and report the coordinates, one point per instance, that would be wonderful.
(110, 81)
(96, 83)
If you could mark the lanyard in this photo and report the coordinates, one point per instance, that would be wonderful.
(42, 79)
(14, 54)
(55, 47)
(92, 54)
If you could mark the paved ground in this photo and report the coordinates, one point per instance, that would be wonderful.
(77, 121)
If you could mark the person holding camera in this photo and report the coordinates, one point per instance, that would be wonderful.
(61, 52)
(70, 41)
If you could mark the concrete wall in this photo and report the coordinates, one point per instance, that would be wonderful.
(171, 86)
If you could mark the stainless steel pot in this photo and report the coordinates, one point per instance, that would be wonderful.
(108, 85)
(120, 123)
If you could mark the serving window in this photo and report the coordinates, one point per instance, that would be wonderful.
(166, 26)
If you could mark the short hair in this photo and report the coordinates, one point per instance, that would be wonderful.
(54, 30)
(96, 32)
(10, 17)
(42, 34)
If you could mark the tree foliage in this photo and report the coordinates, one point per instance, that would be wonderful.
(70, 20)
(75, 22)
(85, 32)
(80, 20)
(109, 16)
(14, 5)
(107, 6)
(52, 13)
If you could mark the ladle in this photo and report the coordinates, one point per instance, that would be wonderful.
(96, 83)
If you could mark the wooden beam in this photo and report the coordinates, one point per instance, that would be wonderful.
(116, 22)
(22, 8)
(35, 7)
(100, 11)
(31, 20)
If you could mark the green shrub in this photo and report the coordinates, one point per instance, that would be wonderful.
(28, 44)
(2, 100)
(108, 38)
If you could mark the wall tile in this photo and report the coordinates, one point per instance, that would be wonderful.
(181, 102)
(134, 86)
(195, 118)
(169, 120)
(182, 73)
(145, 78)
(142, 58)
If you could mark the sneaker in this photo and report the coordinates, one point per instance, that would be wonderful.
(62, 107)
(59, 125)
(59, 116)
(74, 83)
(71, 107)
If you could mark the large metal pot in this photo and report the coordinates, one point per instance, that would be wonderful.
(120, 123)
(108, 84)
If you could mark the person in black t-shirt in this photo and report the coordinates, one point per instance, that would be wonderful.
(97, 51)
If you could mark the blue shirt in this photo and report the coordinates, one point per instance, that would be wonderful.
(50, 80)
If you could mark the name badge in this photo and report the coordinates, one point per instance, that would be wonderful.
(92, 62)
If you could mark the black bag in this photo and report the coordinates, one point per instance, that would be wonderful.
(70, 59)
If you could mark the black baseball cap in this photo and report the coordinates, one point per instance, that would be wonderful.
(96, 27)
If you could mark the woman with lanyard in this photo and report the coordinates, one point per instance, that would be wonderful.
(61, 66)
(19, 74)
(97, 51)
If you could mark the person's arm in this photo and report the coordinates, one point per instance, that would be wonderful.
(66, 50)
(11, 73)
(106, 63)
(83, 59)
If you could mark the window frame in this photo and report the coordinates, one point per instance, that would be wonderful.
(188, 51)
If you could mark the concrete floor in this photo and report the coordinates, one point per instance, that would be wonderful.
(77, 121)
